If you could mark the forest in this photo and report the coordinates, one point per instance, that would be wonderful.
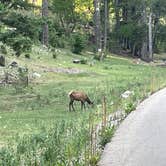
(112, 50)
(132, 27)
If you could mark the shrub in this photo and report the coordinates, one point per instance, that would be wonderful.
(106, 135)
(96, 57)
(54, 53)
(83, 61)
(94, 160)
(20, 44)
(3, 49)
(56, 34)
(78, 43)
(57, 41)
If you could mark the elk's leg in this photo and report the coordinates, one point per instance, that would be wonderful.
(84, 106)
(82, 103)
(71, 105)
(87, 105)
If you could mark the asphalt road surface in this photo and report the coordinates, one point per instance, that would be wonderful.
(141, 138)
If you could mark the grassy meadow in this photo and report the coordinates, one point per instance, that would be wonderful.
(44, 103)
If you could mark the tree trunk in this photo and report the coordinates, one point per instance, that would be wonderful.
(133, 50)
(117, 17)
(45, 26)
(144, 50)
(156, 23)
(150, 37)
(97, 28)
(105, 28)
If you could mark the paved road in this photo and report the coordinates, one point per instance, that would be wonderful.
(141, 138)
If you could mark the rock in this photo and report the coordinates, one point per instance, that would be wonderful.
(36, 75)
(137, 61)
(13, 64)
(2, 60)
(76, 61)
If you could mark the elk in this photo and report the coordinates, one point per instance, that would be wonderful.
(78, 96)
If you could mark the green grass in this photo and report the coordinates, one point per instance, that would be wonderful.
(45, 101)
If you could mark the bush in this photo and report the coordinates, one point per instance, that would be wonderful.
(24, 23)
(56, 41)
(106, 135)
(3, 49)
(54, 53)
(96, 57)
(20, 44)
(56, 34)
(83, 61)
(78, 43)
(94, 160)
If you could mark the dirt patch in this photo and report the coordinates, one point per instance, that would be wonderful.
(68, 70)
(161, 65)
(25, 96)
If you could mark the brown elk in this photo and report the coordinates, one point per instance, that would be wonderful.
(78, 96)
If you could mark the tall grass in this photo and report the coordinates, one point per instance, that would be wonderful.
(65, 145)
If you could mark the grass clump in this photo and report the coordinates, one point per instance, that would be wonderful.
(129, 107)
(105, 135)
